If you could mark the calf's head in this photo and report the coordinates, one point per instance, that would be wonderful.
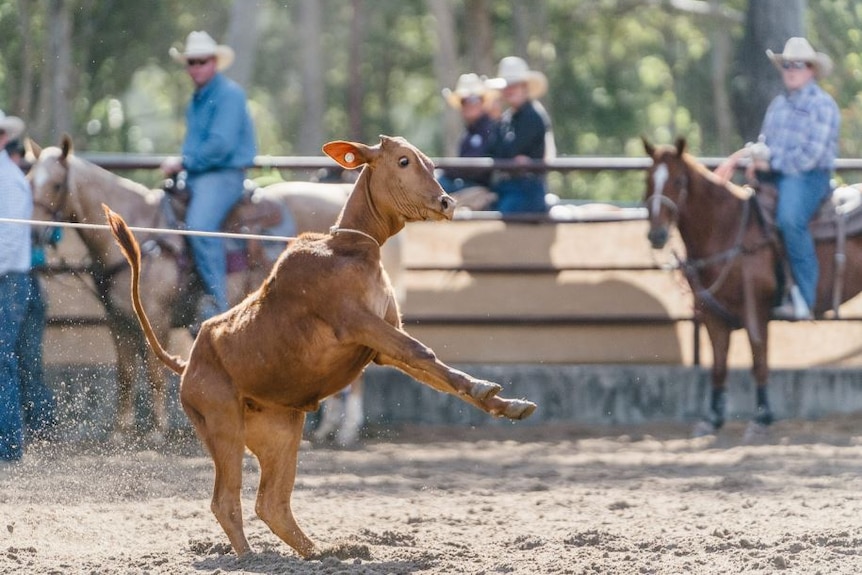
(397, 184)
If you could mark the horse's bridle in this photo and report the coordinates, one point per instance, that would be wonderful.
(62, 199)
(659, 199)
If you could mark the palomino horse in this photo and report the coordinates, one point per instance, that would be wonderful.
(69, 188)
(731, 261)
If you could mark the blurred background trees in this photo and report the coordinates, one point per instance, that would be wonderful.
(322, 69)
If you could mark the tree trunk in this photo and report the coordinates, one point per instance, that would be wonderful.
(720, 62)
(242, 35)
(481, 33)
(54, 111)
(355, 85)
(447, 69)
(311, 134)
(23, 106)
(768, 25)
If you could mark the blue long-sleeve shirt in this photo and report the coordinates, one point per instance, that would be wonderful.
(801, 130)
(219, 130)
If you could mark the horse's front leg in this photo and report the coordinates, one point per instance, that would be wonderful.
(127, 361)
(719, 335)
(764, 417)
(158, 380)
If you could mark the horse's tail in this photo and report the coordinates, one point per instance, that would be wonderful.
(130, 248)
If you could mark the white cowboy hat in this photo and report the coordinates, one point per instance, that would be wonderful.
(13, 126)
(468, 85)
(514, 70)
(799, 50)
(199, 44)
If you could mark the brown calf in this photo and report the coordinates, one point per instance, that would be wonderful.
(326, 310)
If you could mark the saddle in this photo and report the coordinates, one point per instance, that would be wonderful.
(840, 217)
(252, 214)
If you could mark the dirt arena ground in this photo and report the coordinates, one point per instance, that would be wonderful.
(512, 499)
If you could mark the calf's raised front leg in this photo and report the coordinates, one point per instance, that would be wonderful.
(396, 348)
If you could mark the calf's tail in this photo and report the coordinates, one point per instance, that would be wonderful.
(132, 251)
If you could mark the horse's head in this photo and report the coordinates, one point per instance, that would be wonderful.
(49, 180)
(666, 189)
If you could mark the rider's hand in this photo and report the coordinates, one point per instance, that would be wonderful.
(172, 165)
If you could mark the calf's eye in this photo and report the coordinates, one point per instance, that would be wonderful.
(403, 161)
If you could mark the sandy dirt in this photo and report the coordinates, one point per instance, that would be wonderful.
(512, 499)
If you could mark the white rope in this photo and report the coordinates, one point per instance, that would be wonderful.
(148, 230)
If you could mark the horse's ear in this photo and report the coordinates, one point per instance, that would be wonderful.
(32, 150)
(680, 145)
(66, 146)
(648, 147)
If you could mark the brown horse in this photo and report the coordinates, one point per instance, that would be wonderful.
(731, 259)
(69, 188)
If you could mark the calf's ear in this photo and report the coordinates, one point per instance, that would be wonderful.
(349, 155)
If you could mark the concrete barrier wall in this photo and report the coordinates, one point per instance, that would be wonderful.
(519, 297)
(604, 395)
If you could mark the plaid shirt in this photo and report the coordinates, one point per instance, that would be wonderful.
(801, 130)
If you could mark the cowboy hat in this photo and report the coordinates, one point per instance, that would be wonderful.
(468, 85)
(799, 50)
(199, 44)
(13, 126)
(514, 70)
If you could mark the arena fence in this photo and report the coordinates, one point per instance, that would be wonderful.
(127, 162)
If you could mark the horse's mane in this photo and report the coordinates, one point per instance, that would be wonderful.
(91, 171)
(740, 192)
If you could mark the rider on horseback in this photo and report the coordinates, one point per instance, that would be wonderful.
(218, 146)
(801, 131)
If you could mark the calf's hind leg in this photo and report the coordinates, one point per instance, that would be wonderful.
(274, 437)
(217, 416)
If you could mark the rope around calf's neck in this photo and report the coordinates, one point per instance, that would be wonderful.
(335, 229)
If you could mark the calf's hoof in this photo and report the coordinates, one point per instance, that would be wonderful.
(519, 409)
(483, 390)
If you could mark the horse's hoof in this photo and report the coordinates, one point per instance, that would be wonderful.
(483, 390)
(119, 438)
(755, 432)
(703, 429)
(156, 438)
(519, 409)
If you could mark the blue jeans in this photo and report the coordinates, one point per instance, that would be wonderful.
(799, 199)
(213, 194)
(521, 195)
(14, 289)
(37, 399)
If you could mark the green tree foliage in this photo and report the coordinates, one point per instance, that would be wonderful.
(617, 69)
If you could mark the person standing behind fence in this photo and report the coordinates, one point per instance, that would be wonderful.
(523, 134)
(37, 399)
(16, 201)
(472, 98)
(219, 145)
